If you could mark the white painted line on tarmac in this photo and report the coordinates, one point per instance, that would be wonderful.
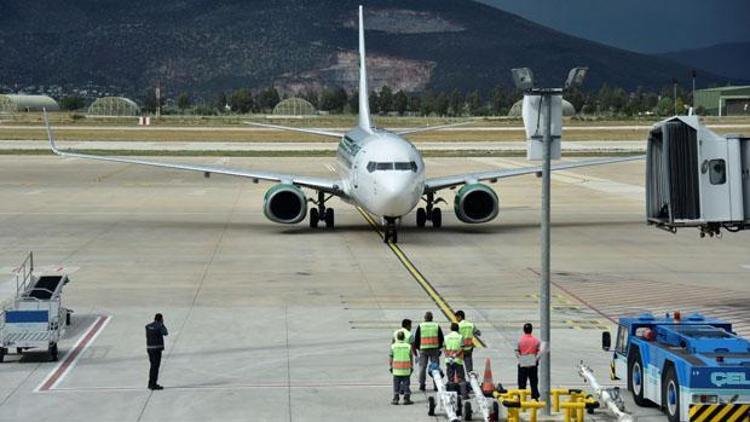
(63, 368)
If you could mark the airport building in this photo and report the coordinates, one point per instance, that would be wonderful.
(114, 106)
(724, 101)
(23, 103)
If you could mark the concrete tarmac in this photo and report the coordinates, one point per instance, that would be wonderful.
(287, 323)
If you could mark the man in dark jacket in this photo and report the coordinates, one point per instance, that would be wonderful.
(155, 333)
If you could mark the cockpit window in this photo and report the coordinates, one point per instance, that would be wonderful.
(388, 166)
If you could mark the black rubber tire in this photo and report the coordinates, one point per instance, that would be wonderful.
(394, 237)
(437, 218)
(2, 354)
(53, 352)
(329, 218)
(495, 414)
(635, 363)
(314, 217)
(459, 406)
(67, 318)
(386, 235)
(19, 350)
(467, 411)
(430, 406)
(670, 379)
(421, 217)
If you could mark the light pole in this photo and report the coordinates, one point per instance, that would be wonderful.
(524, 80)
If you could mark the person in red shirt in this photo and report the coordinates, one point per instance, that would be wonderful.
(527, 353)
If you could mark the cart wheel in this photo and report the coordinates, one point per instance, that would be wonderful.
(67, 318)
(467, 411)
(431, 406)
(19, 350)
(2, 354)
(53, 352)
(459, 408)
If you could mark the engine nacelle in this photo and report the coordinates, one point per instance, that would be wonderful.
(476, 203)
(285, 204)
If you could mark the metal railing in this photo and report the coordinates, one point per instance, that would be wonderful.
(24, 274)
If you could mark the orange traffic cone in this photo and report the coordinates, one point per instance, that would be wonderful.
(487, 385)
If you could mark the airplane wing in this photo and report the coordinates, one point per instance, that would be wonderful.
(322, 184)
(298, 129)
(437, 183)
(429, 128)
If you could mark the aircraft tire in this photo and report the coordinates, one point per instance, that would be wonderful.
(314, 217)
(437, 218)
(329, 218)
(421, 217)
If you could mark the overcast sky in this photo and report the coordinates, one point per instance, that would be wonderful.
(648, 26)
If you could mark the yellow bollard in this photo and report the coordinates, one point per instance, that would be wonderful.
(534, 406)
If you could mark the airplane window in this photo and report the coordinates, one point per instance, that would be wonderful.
(403, 166)
(385, 166)
(371, 166)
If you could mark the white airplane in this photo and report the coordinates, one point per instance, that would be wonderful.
(379, 171)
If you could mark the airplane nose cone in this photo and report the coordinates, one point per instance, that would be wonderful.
(394, 196)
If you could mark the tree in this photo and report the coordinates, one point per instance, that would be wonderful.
(241, 101)
(441, 104)
(456, 103)
(385, 99)
(499, 102)
(268, 99)
(354, 102)
(150, 103)
(474, 103)
(665, 107)
(71, 103)
(312, 97)
(400, 102)
(183, 101)
(222, 102)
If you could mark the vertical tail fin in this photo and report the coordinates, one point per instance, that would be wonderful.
(364, 100)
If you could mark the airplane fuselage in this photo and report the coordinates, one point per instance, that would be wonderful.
(382, 172)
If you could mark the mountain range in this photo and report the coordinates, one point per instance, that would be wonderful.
(731, 60)
(204, 46)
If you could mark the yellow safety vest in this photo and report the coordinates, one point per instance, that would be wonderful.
(407, 335)
(453, 347)
(428, 335)
(466, 329)
(401, 366)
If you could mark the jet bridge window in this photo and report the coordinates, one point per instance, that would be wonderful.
(717, 172)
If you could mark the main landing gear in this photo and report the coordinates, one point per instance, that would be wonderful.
(321, 213)
(429, 212)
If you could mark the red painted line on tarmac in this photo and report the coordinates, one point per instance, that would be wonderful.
(576, 297)
(61, 370)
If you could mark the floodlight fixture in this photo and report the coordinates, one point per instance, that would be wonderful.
(576, 77)
(523, 78)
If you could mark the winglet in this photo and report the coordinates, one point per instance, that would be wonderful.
(364, 94)
(50, 133)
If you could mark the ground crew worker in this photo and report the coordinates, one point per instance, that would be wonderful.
(454, 363)
(401, 364)
(527, 353)
(429, 339)
(406, 329)
(468, 331)
(155, 333)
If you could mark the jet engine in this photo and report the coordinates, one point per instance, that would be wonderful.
(476, 203)
(285, 204)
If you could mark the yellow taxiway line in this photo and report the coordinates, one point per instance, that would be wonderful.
(417, 275)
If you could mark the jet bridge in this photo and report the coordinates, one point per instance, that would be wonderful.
(697, 178)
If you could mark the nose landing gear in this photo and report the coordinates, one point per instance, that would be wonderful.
(390, 233)
(321, 212)
(430, 212)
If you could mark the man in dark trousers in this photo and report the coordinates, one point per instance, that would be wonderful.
(429, 340)
(527, 352)
(155, 333)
